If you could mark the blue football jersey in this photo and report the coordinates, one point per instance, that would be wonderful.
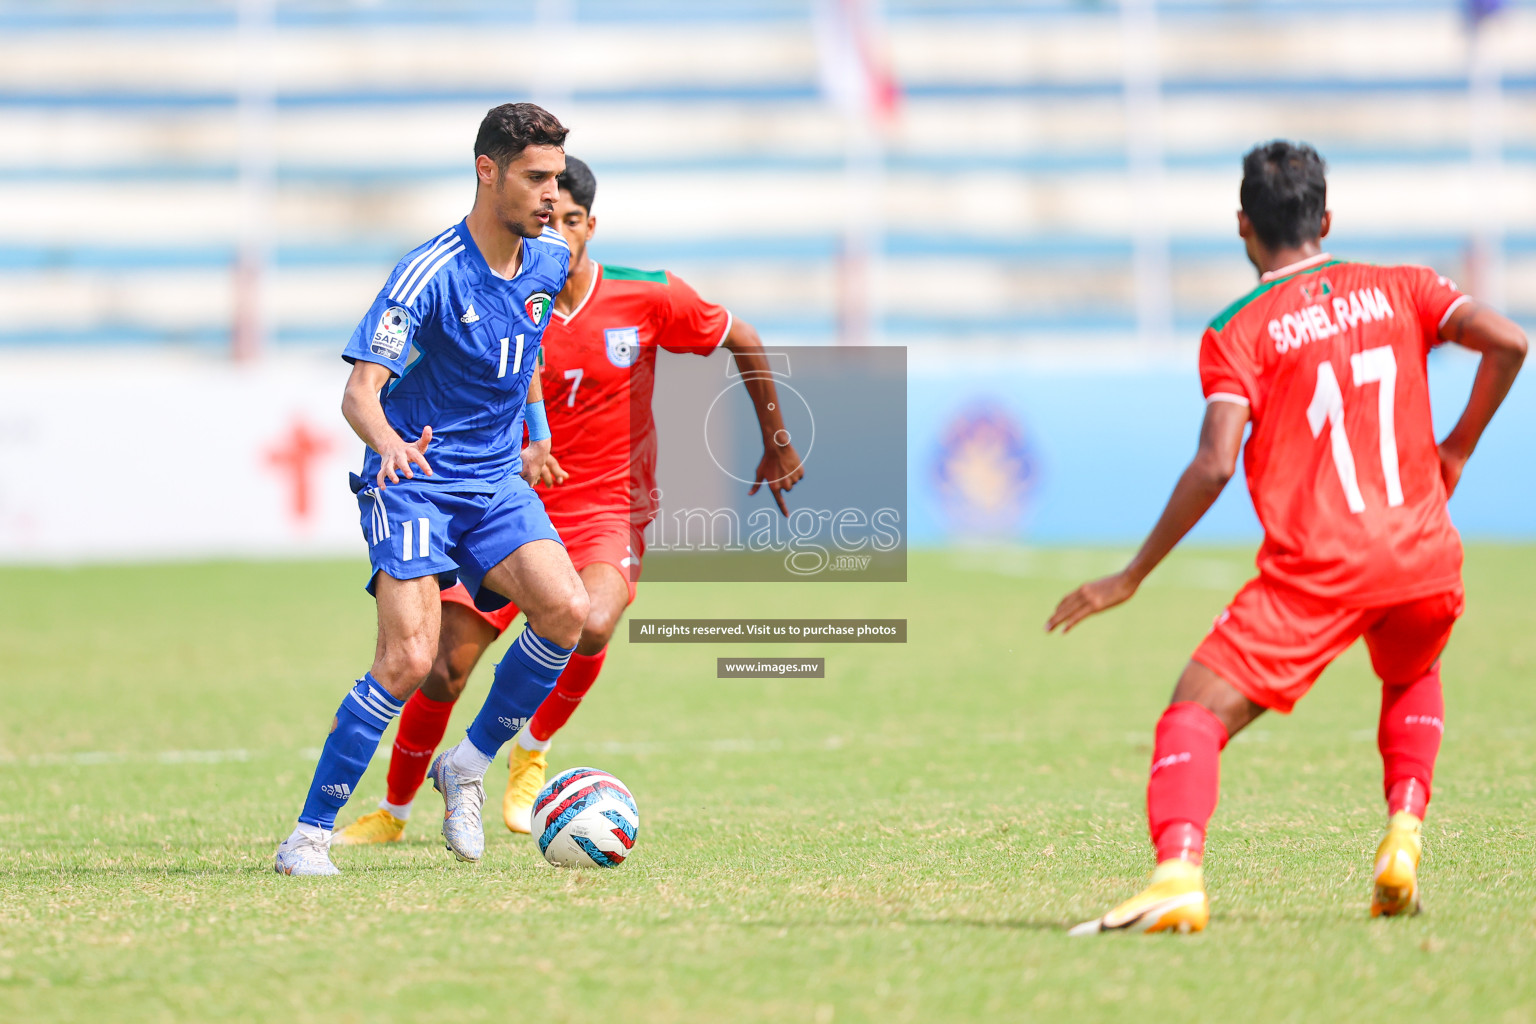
(462, 343)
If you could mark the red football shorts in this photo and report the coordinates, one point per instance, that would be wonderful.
(1272, 642)
(593, 539)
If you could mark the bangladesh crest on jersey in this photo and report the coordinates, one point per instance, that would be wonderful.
(1318, 290)
(537, 306)
(623, 345)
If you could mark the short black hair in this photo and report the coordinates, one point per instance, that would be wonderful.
(509, 129)
(1285, 192)
(579, 181)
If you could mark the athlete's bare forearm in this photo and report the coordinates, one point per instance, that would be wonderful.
(1502, 345)
(1197, 490)
(536, 456)
(780, 466)
(757, 376)
(360, 405)
(365, 415)
(1221, 440)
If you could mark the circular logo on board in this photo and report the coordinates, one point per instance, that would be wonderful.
(984, 470)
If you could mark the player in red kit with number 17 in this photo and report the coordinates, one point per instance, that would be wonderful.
(1325, 360)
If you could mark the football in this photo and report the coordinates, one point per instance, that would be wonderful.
(585, 817)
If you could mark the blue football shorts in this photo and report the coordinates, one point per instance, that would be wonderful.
(423, 527)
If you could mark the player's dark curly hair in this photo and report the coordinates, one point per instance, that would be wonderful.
(579, 181)
(512, 127)
(1285, 192)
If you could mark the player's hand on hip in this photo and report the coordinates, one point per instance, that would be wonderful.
(536, 458)
(1451, 464)
(1091, 598)
(780, 469)
(395, 460)
(552, 473)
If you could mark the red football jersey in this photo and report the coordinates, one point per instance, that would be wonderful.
(598, 373)
(1341, 461)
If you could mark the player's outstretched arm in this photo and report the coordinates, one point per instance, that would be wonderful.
(1221, 440)
(1503, 346)
(360, 405)
(780, 466)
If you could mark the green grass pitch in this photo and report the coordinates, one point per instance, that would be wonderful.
(905, 840)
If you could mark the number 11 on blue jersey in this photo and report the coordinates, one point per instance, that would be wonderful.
(517, 357)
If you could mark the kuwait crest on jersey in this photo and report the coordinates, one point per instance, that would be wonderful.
(537, 306)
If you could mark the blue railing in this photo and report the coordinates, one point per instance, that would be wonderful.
(789, 91)
(51, 16)
(1038, 163)
(1025, 249)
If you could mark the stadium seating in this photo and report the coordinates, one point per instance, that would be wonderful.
(1007, 201)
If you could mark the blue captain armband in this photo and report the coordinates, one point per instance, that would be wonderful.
(538, 423)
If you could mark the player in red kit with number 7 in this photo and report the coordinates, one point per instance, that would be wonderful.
(598, 486)
(1325, 360)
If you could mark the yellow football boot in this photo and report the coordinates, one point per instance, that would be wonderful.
(525, 777)
(1174, 902)
(1397, 867)
(374, 827)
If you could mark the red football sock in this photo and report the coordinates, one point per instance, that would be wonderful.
(1186, 774)
(579, 675)
(422, 725)
(1412, 724)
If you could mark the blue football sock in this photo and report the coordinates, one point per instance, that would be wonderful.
(524, 678)
(364, 714)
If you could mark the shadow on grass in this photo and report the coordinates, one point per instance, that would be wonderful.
(125, 871)
(33, 874)
(958, 921)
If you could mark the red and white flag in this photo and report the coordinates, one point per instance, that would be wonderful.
(855, 68)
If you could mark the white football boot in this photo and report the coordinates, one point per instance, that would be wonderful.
(463, 798)
(305, 852)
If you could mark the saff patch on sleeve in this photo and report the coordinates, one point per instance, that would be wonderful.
(389, 336)
(623, 344)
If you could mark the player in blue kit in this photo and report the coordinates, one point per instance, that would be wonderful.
(447, 355)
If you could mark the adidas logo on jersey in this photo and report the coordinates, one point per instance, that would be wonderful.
(339, 790)
(470, 316)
